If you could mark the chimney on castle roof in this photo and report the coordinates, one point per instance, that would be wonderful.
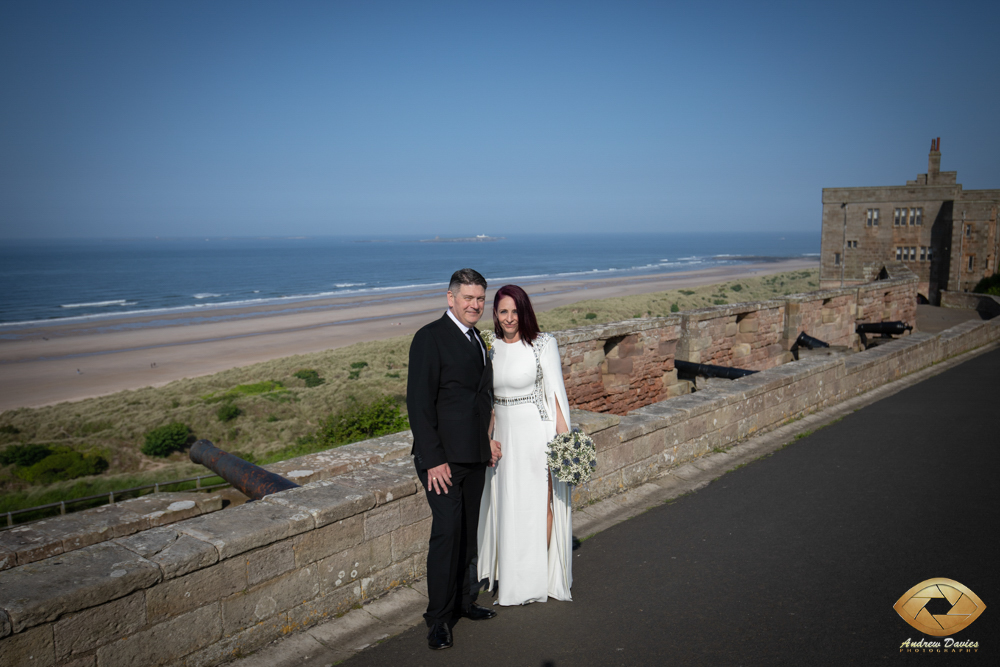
(934, 160)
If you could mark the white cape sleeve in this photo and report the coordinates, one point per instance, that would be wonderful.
(561, 546)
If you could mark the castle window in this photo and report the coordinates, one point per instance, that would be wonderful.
(972, 262)
(930, 254)
(895, 217)
(923, 253)
(899, 253)
(968, 230)
(836, 259)
(872, 219)
(852, 244)
(913, 253)
(920, 216)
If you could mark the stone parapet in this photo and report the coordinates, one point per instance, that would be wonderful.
(50, 537)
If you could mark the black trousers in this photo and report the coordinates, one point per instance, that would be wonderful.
(453, 543)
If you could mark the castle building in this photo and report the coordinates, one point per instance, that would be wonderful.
(947, 236)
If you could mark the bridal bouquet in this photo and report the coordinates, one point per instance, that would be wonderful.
(572, 457)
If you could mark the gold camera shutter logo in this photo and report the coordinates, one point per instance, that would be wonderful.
(965, 607)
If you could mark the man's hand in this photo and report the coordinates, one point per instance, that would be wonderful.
(495, 453)
(439, 478)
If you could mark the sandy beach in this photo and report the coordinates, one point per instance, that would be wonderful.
(66, 362)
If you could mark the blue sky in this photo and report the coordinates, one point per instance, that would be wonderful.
(379, 118)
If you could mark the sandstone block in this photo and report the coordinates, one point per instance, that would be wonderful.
(33, 542)
(731, 329)
(741, 350)
(7, 558)
(381, 520)
(253, 606)
(165, 642)
(334, 538)
(176, 554)
(86, 630)
(326, 501)
(31, 647)
(269, 562)
(410, 540)
(413, 509)
(619, 366)
(312, 612)
(246, 527)
(749, 325)
(181, 595)
(41, 592)
(240, 644)
(391, 577)
(667, 348)
(388, 481)
(165, 508)
(352, 565)
(593, 358)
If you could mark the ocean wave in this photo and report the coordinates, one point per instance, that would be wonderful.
(349, 284)
(206, 295)
(97, 304)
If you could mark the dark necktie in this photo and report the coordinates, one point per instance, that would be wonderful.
(473, 338)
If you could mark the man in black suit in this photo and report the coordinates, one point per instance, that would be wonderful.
(449, 398)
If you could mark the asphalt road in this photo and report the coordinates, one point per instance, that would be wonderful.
(794, 559)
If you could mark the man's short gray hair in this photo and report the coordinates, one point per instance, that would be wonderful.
(465, 277)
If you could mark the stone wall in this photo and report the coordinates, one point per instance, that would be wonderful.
(616, 368)
(742, 335)
(987, 305)
(210, 588)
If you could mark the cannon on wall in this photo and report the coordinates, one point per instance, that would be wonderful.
(252, 481)
(708, 370)
(808, 342)
(885, 330)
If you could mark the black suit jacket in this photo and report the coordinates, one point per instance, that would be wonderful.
(449, 396)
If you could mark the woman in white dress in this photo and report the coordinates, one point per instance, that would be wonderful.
(525, 524)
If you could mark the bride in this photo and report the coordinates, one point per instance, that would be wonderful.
(525, 526)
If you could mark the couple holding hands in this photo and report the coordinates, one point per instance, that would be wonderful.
(482, 409)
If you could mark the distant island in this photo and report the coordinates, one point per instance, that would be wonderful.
(481, 238)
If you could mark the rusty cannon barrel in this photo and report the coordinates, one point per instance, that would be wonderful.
(708, 370)
(250, 480)
(808, 342)
(885, 329)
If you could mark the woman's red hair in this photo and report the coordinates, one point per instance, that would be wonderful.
(527, 325)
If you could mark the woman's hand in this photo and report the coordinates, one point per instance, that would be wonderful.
(495, 453)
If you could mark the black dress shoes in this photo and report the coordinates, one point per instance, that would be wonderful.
(477, 613)
(439, 637)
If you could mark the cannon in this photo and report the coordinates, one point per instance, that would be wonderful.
(884, 329)
(708, 370)
(808, 342)
(250, 480)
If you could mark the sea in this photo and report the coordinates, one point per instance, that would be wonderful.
(50, 282)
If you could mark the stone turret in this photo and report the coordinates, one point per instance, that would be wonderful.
(934, 161)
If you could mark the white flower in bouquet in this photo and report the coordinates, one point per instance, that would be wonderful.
(572, 457)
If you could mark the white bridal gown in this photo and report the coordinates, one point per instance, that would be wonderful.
(512, 523)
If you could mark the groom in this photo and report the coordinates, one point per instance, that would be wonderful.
(448, 396)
